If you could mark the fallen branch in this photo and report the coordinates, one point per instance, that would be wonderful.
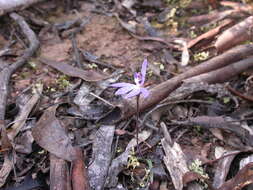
(211, 17)
(11, 5)
(223, 74)
(239, 94)
(235, 35)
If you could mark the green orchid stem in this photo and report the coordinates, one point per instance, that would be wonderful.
(137, 123)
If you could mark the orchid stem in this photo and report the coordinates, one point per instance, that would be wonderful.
(137, 123)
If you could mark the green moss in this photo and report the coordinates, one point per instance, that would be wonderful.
(63, 81)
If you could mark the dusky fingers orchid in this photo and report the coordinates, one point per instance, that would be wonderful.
(128, 90)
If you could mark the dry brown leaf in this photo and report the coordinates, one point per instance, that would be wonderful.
(90, 76)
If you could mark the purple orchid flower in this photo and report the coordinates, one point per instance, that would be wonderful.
(128, 90)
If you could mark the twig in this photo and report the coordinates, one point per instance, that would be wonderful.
(157, 39)
(102, 99)
(137, 123)
(76, 51)
(237, 93)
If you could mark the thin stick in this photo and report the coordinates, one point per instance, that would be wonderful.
(137, 123)
(102, 99)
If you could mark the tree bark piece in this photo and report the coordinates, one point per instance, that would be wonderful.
(235, 35)
(79, 175)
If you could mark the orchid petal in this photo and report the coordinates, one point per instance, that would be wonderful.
(144, 92)
(134, 92)
(143, 71)
(124, 90)
(121, 84)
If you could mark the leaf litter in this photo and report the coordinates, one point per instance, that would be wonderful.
(72, 132)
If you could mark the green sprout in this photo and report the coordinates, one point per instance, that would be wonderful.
(185, 3)
(63, 81)
(226, 100)
(92, 66)
(192, 34)
(196, 166)
(132, 161)
(198, 129)
(201, 56)
(32, 65)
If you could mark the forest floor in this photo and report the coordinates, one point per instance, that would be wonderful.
(63, 126)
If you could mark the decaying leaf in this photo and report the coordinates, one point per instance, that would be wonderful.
(175, 159)
(90, 76)
(50, 135)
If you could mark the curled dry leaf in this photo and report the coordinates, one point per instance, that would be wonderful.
(6, 168)
(223, 165)
(191, 176)
(24, 112)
